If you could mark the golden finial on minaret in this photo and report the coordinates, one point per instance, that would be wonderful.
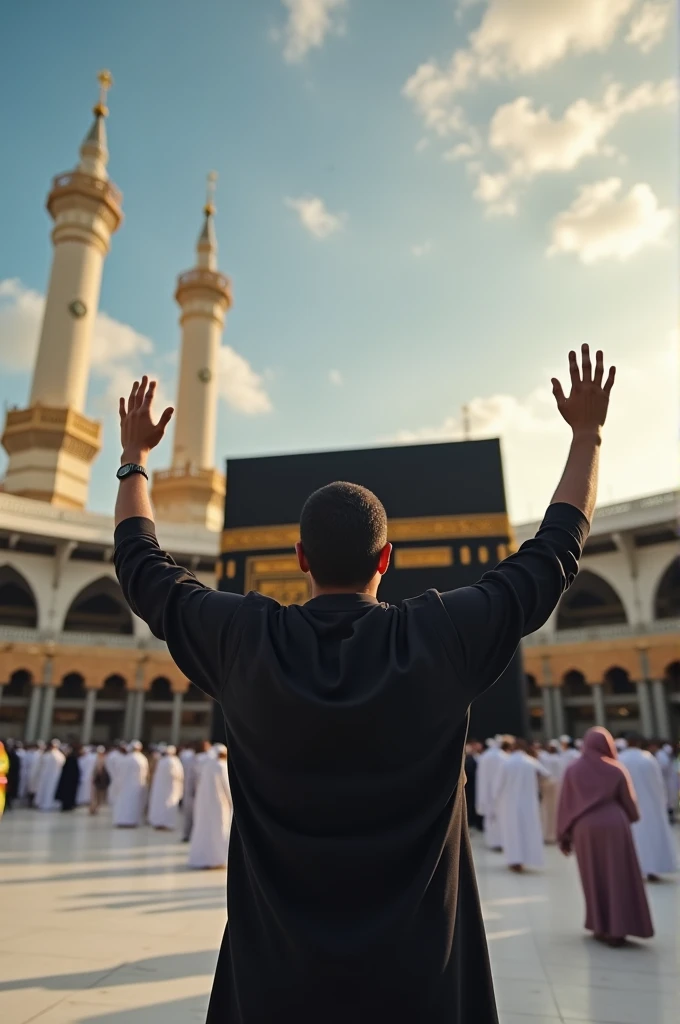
(105, 79)
(209, 208)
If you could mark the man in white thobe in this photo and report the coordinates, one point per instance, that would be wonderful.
(86, 762)
(212, 813)
(664, 755)
(51, 763)
(192, 771)
(166, 790)
(518, 808)
(568, 754)
(652, 833)
(489, 766)
(549, 789)
(128, 809)
(113, 762)
(34, 770)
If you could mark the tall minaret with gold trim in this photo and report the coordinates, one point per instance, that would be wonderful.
(51, 444)
(193, 490)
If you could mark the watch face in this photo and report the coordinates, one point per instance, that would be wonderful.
(77, 308)
(204, 375)
(123, 472)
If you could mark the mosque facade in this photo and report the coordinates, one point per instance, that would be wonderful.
(75, 662)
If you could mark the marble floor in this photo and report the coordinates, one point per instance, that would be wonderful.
(107, 926)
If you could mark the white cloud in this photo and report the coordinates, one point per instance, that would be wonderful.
(315, 217)
(649, 25)
(21, 311)
(308, 24)
(119, 354)
(513, 37)
(421, 249)
(603, 224)
(336, 378)
(239, 385)
(533, 142)
(639, 450)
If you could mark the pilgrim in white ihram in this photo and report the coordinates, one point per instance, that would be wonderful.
(49, 773)
(652, 833)
(86, 763)
(166, 790)
(212, 814)
(128, 809)
(516, 798)
(489, 767)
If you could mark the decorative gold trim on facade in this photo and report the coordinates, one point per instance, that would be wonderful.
(254, 538)
(44, 427)
(465, 555)
(423, 558)
(549, 663)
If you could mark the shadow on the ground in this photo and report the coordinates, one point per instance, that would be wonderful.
(179, 1011)
(157, 902)
(157, 968)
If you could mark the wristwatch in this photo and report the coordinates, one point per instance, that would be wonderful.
(129, 468)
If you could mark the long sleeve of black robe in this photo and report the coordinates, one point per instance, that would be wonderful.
(351, 890)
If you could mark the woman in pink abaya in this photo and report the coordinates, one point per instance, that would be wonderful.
(596, 808)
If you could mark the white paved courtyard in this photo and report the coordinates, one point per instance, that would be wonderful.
(107, 926)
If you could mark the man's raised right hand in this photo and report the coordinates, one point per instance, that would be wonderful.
(585, 408)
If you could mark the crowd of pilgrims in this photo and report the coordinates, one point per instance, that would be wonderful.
(166, 788)
(611, 803)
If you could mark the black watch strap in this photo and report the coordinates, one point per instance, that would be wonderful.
(129, 468)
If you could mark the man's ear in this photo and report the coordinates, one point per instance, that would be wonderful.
(384, 560)
(301, 557)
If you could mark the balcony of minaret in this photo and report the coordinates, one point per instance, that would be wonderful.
(99, 210)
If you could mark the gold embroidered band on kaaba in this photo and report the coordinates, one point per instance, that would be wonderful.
(263, 538)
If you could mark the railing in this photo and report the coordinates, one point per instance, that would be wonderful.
(207, 278)
(19, 635)
(582, 636)
(79, 180)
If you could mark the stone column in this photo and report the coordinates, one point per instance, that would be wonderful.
(33, 716)
(548, 718)
(599, 707)
(88, 715)
(138, 716)
(558, 704)
(177, 700)
(645, 707)
(130, 700)
(663, 723)
(47, 712)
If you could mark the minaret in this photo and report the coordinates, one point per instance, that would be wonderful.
(52, 444)
(193, 490)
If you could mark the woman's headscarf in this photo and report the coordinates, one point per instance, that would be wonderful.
(590, 781)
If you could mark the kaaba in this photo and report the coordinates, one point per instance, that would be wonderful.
(447, 521)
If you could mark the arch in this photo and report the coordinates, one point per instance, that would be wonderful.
(575, 685)
(618, 681)
(72, 686)
(667, 594)
(114, 687)
(672, 676)
(194, 694)
(160, 689)
(99, 608)
(590, 601)
(533, 689)
(18, 684)
(18, 606)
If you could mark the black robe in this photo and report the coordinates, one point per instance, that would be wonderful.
(69, 780)
(351, 891)
(13, 777)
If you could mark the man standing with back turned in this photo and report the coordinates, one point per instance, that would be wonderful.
(351, 889)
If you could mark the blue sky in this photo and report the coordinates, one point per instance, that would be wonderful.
(472, 232)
